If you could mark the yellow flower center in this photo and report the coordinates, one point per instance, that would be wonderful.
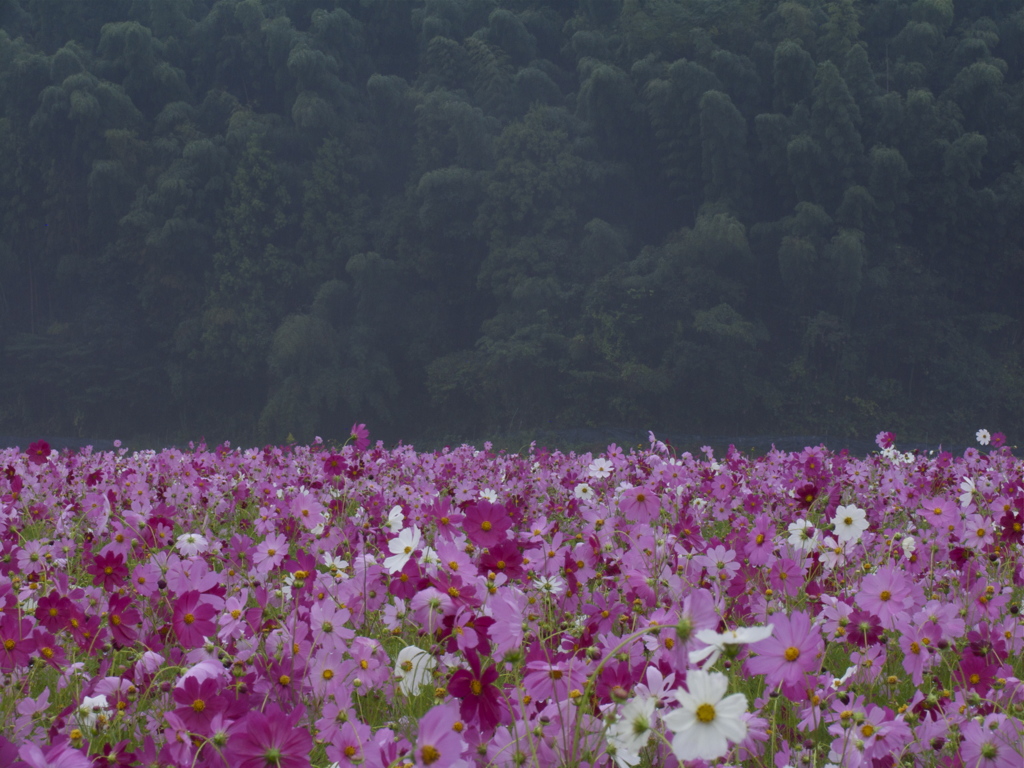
(476, 687)
(485, 525)
(886, 595)
(429, 754)
(198, 705)
(792, 653)
(706, 713)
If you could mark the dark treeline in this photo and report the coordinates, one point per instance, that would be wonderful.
(250, 218)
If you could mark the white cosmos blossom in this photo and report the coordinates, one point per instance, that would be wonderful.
(413, 669)
(192, 544)
(631, 730)
(967, 486)
(718, 643)
(850, 523)
(803, 535)
(396, 519)
(983, 436)
(583, 492)
(91, 710)
(402, 548)
(909, 545)
(490, 495)
(706, 722)
(600, 468)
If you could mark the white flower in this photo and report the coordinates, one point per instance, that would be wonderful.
(717, 643)
(850, 523)
(489, 495)
(600, 468)
(983, 436)
(91, 710)
(584, 492)
(631, 730)
(192, 544)
(553, 585)
(402, 548)
(705, 723)
(413, 669)
(802, 535)
(967, 486)
(909, 545)
(396, 519)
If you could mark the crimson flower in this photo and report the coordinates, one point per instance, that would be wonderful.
(38, 452)
(864, 629)
(15, 642)
(54, 611)
(192, 620)
(486, 524)
(47, 649)
(109, 571)
(121, 617)
(270, 740)
(504, 557)
(481, 702)
(199, 703)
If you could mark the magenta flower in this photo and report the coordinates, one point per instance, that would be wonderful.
(438, 745)
(54, 611)
(192, 620)
(486, 524)
(15, 642)
(270, 739)
(121, 617)
(198, 703)
(108, 571)
(792, 652)
(640, 504)
(361, 435)
(57, 755)
(480, 697)
(38, 452)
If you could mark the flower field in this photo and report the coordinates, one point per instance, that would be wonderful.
(358, 606)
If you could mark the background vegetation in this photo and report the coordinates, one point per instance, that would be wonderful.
(250, 218)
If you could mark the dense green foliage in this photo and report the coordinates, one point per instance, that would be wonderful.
(249, 218)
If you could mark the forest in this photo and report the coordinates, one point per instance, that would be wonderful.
(253, 219)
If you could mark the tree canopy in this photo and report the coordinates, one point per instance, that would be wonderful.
(255, 218)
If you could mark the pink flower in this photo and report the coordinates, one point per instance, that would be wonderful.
(994, 743)
(792, 652)
(270, 553)
(885, 593)
(640, 504)
(270, 739)
(438, 745)
(941, 514)
(58, 755)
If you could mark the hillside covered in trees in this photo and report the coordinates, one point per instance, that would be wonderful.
(250, 218)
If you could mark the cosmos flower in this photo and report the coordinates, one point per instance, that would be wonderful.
(707, 719)
(413, 669)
